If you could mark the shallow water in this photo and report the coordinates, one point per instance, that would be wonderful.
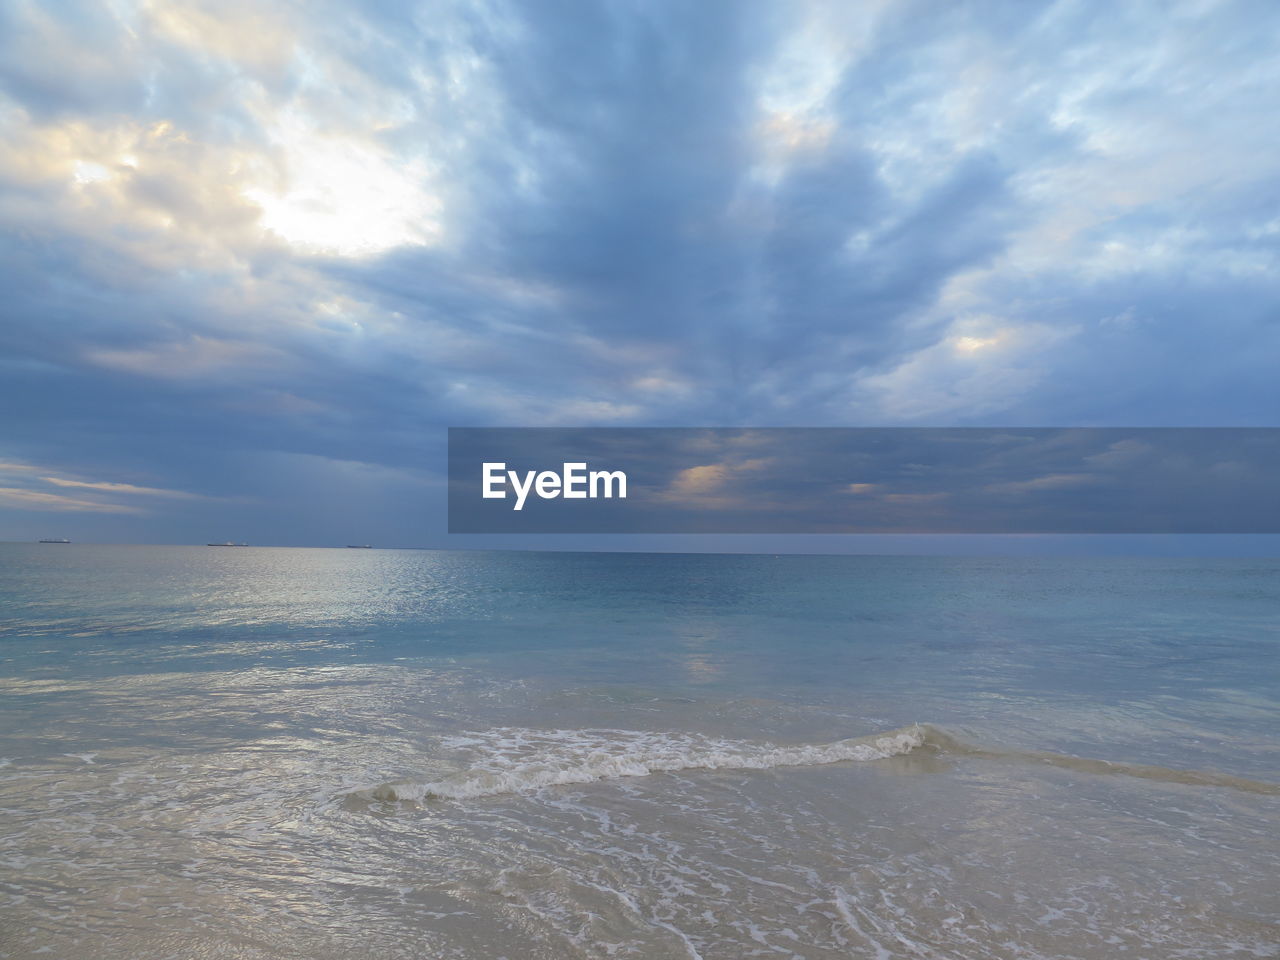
(324, 753)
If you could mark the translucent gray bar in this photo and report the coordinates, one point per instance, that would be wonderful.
(865, 480)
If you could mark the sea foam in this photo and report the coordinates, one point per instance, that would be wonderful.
(513, 760)
(520, 761)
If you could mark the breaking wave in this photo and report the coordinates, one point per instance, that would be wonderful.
(522, 761)
(526, 761)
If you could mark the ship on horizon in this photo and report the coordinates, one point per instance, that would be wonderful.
(54, 540)
(226, 543)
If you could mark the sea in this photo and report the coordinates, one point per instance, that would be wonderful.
(331, 753)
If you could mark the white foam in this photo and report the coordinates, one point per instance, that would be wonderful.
(520, 761)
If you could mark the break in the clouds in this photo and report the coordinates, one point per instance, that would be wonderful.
(257, 256)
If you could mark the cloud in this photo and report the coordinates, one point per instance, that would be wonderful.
(1051, 481)
(193, 358)
(696, 481)
(915, 499)
(718, 486)
(30, 493)
(126, 488)
(343, 196)
(235, 232)
(39, 500)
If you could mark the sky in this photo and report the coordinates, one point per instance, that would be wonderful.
(257, 257)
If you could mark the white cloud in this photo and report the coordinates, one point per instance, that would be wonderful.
(191, 358)
(340, 195)
(39, 500)
(125, 488)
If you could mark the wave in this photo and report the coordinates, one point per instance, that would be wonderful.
(586, 756)
(1174, 775)
(523, 761)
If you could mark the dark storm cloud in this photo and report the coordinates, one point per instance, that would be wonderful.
(252, 248)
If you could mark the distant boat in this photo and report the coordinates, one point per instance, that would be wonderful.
(359, 546)
(227, 544)
(55, 540)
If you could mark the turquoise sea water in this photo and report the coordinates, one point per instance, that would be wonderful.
(262, 752)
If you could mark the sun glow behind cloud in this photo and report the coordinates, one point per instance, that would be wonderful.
(974, 344)
(343, 196)
(173, 186)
